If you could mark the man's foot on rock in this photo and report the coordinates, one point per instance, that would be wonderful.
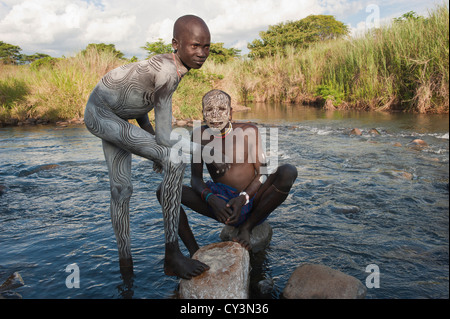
(176, 264)
(243, 238)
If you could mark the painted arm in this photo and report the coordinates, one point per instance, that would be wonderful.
(163, 114)
(145, 124)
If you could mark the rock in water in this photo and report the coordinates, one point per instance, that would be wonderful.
(356, 131)
(310, 281)
(14, 281)
(259, 239)
(227, 278)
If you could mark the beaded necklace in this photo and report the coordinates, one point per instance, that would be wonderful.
(226, 133)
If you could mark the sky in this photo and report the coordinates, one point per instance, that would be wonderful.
(64, 27)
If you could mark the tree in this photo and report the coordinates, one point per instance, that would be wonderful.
(219, 54)
(102, 47)
(299, 34)
(158, 47)
(31, 58)
(9, 54)
(408, 16)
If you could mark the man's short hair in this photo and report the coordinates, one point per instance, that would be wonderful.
(216, 98)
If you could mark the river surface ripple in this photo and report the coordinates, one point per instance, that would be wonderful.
(358, 200)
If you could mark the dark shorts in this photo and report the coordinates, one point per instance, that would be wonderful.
(226, 193)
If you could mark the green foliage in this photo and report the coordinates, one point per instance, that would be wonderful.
(24, 59)
(188, 96)
(158, 47)
(47, 61)
(102, 47)
(12, 91)
(9, 54)
(408, 16)
(133, 59)
(327, 92)
(219, 54)
(297, 34)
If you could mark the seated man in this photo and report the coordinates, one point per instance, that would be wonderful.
(242, 196)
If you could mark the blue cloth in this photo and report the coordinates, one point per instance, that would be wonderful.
(226, 193)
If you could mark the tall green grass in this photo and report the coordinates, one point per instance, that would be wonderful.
(403, 66)
(53, 91)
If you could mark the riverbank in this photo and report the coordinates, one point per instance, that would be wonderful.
(403, 66)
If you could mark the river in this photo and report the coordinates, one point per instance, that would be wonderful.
(373, 199)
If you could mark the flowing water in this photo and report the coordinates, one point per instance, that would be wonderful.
(358, 201)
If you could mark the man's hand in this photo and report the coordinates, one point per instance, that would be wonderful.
(220, 209)
(235, 204)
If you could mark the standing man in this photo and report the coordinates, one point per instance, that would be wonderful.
(130, 92)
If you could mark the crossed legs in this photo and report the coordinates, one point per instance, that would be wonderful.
(270, 195)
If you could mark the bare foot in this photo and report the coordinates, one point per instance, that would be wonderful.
(243, 238)
(176, 264)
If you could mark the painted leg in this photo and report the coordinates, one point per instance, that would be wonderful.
(184, 230)
(175, 263)
(119, 168)
(103, 123)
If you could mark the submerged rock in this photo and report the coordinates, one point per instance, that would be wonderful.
(345, 209)
(37, 169)
(374, 131)
(227, 278)
(14, 281)
(259, 238)
(419, 142)
(181, 123)
(265, 286)
(311, 281)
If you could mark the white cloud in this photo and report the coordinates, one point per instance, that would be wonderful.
(65, 27)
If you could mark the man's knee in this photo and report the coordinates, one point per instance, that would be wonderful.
(121, 192)
(286, 176)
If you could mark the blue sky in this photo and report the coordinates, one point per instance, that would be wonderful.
(64, 27)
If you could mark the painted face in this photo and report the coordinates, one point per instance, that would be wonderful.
(193, 46)
(217, 116)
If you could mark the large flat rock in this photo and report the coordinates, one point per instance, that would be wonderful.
(227, 278)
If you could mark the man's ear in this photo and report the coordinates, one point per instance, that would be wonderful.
(175, 45)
